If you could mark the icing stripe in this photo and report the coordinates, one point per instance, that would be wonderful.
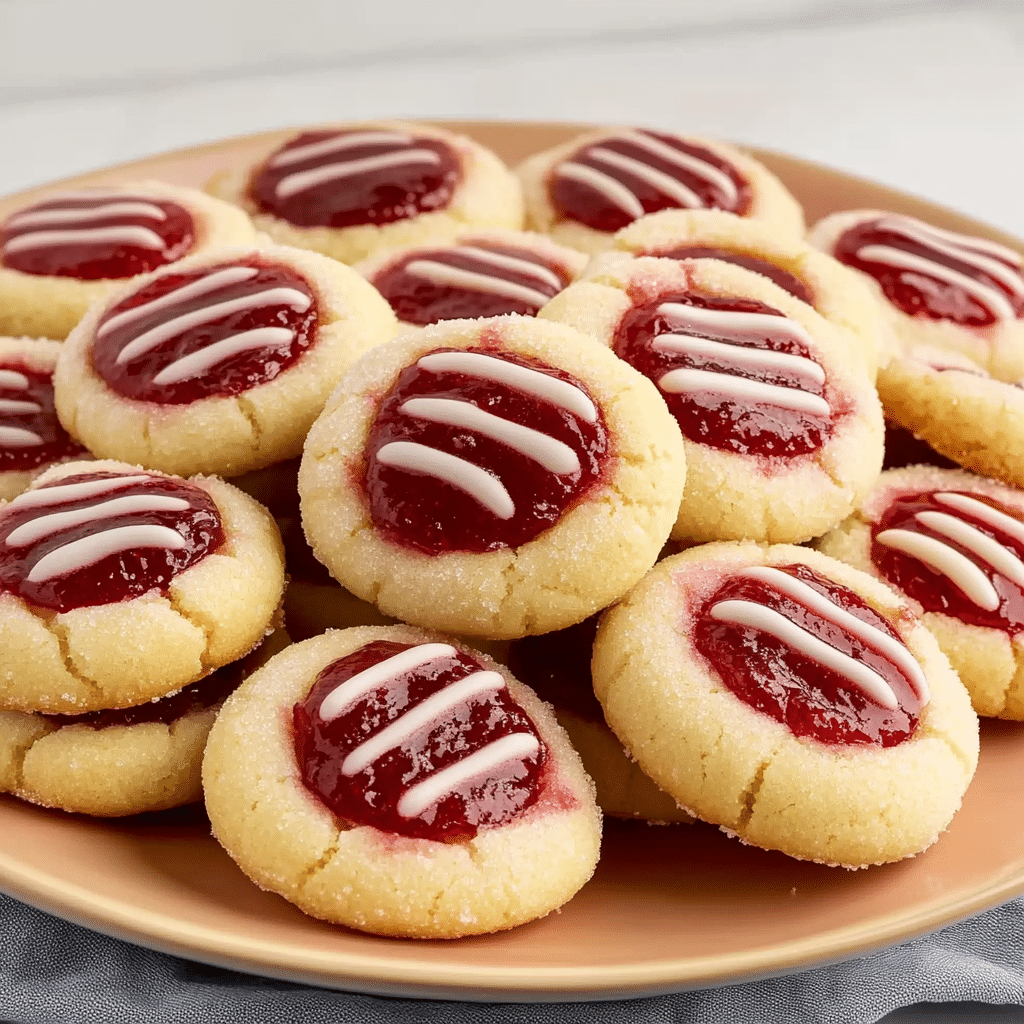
(128, 234)
(424, 714)
(351, 140)
(551, 453)
(196, 363)
(983, 512)
(730, 321)
(13, 379)
(347, 693)
(18, 437)
(687, 381)
(418, 798)
(483, 488)
(292, 184)
(957, 568)
(90, 550)
(514, 264)
(17, 407)
(664, 183)
(604, 184)
(115, 208)
(756, 616)
(60, 493)
(978, 543)
(445, 275)
(742, 355)
(522, 378)
(688, 162)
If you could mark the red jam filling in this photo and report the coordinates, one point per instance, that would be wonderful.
(930, 289)
(211, 333)
(781, 681)
(30, 433)
(93, 237)
(782, 277)
(437, 775)
(67, 545)
(769, 417)
(520, 464)
(610, 183)
(945, 585)
(364, 176)
(902, 449)
(471, 280)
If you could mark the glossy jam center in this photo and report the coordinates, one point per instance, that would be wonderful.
(340, 179)
(813, 655)
(210, 333)
(30, 433)
(937, 274)
(612, 182)
(471, 280)
(782, 277)
(956, 553)
(475, 451)
(97, 538)
(737, 375)
(93, 236)
(421, 741)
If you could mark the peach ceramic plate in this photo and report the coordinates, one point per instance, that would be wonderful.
(669, 908)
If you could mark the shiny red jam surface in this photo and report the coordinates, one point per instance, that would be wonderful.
(610, 183)
(902, 449)
(211, 333)
(951, 575)
(782, 277)
(470, 280)
(30, 433)
(923, 272)
(768, 417)
(407, 755)
(98, 538)
(362, 176)
(776, 678)
(458, 460)
(95, 236)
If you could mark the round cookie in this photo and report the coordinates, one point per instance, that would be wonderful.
(783, 432)
(583, 191)
(477, 274)
(471, 815)
(793, 701)
(119, 585)
(938, 288)
(350, 190)
(835, 291)
(70, 249)
(31, 437)
(509, 464)
(218, 364)
(952, 544)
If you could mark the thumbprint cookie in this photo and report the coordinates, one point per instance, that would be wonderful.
(783, 432)
(953, 544)
(939, 288)
(218, 364)
(401, 784)
(492, 477)
(586, 189)
(31, 437)
(67, 250)
(350, 190)
(793, 701)
(479, 274)
(120, 585)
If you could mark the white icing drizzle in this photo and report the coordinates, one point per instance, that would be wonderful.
(981, 544)
(19, 437)
(90, 550)
(45, 526)
(60, 218)
(210, 283)
(128, 234)
(687, 381)
(982, 511)
(483, 488)
(551, 453)
(351, 140)
(197, 363)
(514, 264)
(522, 378)
(756, 616)
(445, 275)
(155, 336)
(742, 355)
(604, 184)
(418, 798)
(17, 407)
(58, 494)
(957, 568)
(664, 183)
(691, 163)
(299, 181)
(824, 606)
(345, 694)
(13, 379)
(734, 321)
(427, 713)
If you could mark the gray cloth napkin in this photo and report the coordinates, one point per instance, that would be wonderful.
(57, 973)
